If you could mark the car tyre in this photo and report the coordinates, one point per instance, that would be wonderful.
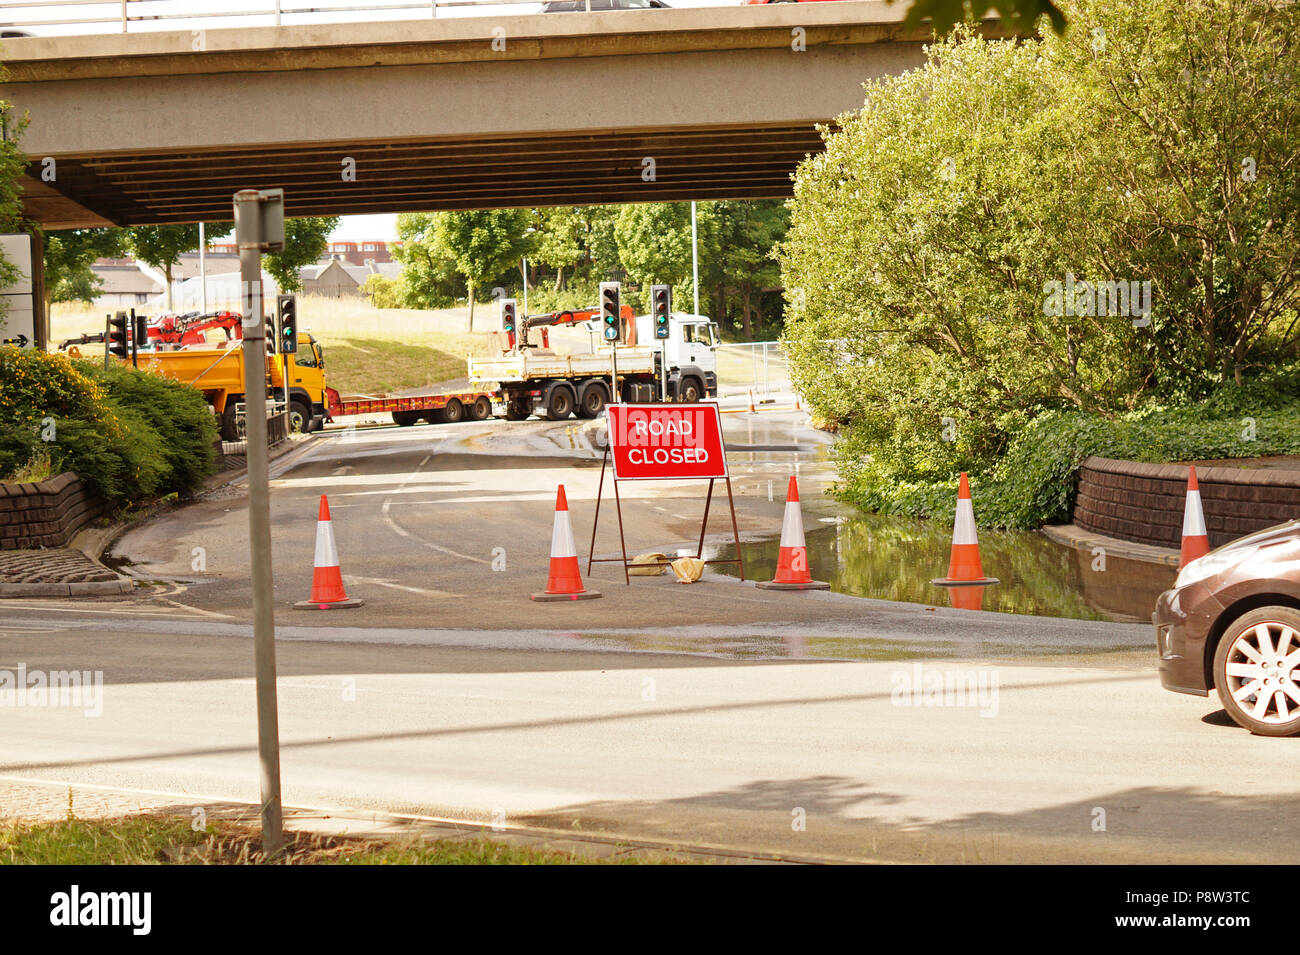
(1257, 671)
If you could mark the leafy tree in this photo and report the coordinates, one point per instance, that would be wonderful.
(1191, 116)
(305, 241)
(482, 244)
(560, 233)
(925, 240)
(1019, 15)
(162, 246)
(738, 262)
(429, 276)
(12, 164)
(654, 244)
(69, 255)
(383, 292)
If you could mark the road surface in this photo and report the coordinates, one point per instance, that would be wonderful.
(810, 725)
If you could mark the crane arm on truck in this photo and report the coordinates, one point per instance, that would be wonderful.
(574, 316)
(186, 329)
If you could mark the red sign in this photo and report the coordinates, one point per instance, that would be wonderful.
(659, 442)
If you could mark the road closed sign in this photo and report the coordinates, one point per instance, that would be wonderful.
(662, 442)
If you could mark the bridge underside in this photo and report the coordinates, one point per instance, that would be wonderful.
(745, 162)
(631, 106)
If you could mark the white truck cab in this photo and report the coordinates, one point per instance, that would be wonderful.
(690, 359)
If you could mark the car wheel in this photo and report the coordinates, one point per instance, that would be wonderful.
(1256, 669)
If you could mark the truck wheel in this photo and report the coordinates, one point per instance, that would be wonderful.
(593, 399)
(453, 412)
(559, 403)
(230, 420)
(481, 409)
(405, 419)
(299, 417)
(688, 392)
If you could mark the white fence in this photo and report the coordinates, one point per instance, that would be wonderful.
(760, 367)
(80, 17)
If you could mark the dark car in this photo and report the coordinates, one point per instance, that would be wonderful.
(574, 6)
(1232, 623)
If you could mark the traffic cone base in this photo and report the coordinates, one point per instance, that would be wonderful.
(565, 579)
(327, 591)
(582, 595)
(792, 559)
(344, 604)
(777, 585)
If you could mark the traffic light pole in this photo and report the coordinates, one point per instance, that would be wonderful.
(250, 238)
(613, 378)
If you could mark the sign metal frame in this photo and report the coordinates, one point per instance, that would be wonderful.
(708, 500)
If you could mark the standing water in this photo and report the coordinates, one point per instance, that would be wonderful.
(895, 558)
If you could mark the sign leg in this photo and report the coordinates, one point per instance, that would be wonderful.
(740, 559)
(704, 525)
(618, 505)
(596, 520)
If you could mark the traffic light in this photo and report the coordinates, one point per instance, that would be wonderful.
(611, 317)
(117, 336)
(661, 306)
(286, 306)
(509, 314)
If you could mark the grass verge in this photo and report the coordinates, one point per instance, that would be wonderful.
(170, 840)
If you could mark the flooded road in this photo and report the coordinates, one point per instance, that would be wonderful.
(895, 558)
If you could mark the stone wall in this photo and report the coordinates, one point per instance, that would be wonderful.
(46, 514)
(1144, 502)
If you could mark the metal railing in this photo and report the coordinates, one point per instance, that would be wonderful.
(120, 16)
(758, 367)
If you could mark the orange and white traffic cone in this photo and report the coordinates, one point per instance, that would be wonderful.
(964, 568)
(792, 559)
(1196, 541)
(565, 580)
(326, 580)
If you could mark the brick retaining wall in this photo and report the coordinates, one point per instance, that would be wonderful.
(1144, 502)
(46, 514)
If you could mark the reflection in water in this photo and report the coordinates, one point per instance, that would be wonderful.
(895, 558)
(966, 598)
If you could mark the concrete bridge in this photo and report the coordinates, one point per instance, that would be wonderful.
(547, 109)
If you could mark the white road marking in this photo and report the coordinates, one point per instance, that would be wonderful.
(386, 510)
(389, 582)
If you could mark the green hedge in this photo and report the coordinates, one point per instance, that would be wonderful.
(1034, 483)
(134, 435)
